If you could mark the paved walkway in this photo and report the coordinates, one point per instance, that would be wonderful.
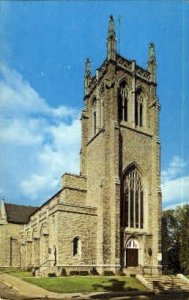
(31, 291)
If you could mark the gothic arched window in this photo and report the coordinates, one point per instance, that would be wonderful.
(133, 199)
(94, 116)
(123, 102)
(139, 108)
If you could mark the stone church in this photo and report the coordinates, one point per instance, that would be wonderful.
(108, 218)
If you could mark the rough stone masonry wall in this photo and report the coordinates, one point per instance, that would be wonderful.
(95, 180)
(74, 181)
(111, 189)
(40, 237)
(10, 245)
(140, 146)
(74, 189)
(81, 223)
(102, 174)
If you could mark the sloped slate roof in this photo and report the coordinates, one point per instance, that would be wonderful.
(19, 214)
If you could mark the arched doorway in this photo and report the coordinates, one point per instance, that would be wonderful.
(132, 253)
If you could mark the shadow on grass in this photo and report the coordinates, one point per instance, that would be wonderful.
(116, 286)
(118, 289)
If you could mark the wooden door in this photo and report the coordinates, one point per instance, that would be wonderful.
(132, 257)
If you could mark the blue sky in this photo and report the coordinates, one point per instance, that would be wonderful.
(44, 47)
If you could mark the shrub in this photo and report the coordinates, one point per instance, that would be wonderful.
(72, 273)
(83, 273)
(120, 273)
(52, 275)
(108, 273)
(94, 271)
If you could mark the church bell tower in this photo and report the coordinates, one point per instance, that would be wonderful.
(120, 157)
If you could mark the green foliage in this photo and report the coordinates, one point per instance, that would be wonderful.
(93, 271)
(175, 239)
(73, 273)
(52, 275)
(108, 273)
(73, 284)
(83, 273)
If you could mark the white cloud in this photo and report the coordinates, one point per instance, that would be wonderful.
(176, 167)
(19, 98)
(175, 183)
(21, 131)
(39, 142)
(54, 158)
(176, 191)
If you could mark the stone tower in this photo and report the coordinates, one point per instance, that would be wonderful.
(120, 157)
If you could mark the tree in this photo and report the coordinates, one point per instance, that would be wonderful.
(182, 213)
(175, 239)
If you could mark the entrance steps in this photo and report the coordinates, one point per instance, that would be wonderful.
(46, 269)
(132, 270)
(165, 283)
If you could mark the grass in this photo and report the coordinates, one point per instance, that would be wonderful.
(73, 284)
(83, 284)
(21, 274)
(17, 272)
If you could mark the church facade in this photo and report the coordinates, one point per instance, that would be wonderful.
(108, 218)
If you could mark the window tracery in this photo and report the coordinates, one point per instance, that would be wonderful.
(133, 199)
(132, 244)
(123, 102)
(94, 116)
(139, 102)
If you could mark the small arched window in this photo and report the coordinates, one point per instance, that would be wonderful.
(139, 108)
(76, 246)
(123, 102)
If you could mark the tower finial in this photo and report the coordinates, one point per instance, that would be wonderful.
(152, 61)
(87, 77)
(87, 68)
(111, 41)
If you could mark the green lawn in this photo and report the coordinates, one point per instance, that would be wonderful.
(83, 284)
(21, 274)
(17, 272)
(73, 284)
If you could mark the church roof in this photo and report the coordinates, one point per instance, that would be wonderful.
(19, 214)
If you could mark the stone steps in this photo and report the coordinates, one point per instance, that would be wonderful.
(166, 283)
(46, 270)
(132, 270)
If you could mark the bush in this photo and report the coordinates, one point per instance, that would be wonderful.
(120, 273)
(52, 275)
(72, 273)
(83, 273)
(108, 273)
(93, 271)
